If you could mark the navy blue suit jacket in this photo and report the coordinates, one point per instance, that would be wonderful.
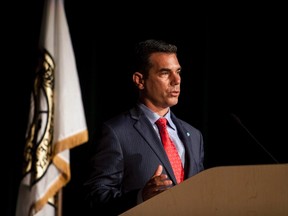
(127, 156)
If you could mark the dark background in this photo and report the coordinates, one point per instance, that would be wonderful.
(234, 62)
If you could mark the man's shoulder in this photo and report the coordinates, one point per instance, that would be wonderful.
(184, 124)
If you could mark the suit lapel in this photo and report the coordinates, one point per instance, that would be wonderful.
(146, 130)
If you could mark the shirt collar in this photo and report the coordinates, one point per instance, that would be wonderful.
(153, 117)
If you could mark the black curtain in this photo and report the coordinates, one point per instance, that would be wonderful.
(233, 65)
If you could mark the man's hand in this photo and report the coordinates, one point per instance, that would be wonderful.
(158, 183)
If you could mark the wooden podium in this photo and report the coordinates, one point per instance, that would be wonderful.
(252, 190)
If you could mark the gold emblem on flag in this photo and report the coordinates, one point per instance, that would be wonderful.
(38, 150)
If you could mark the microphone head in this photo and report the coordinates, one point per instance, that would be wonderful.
(235, 118)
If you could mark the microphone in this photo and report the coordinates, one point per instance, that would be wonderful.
(253, 137)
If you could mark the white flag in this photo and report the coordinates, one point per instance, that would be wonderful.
(57, 119)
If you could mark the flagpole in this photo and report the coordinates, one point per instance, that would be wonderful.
(59, 203)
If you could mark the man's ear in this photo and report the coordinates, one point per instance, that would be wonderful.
(138, 80)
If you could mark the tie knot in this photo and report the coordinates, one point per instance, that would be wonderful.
(161, 122)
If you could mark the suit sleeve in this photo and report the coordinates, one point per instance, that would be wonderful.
(103, 187)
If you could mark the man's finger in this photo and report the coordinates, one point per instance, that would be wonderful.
(158, 171)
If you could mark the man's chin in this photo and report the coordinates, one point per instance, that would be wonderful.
(173, 102)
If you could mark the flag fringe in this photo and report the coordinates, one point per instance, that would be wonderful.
(71, 142)
(62, 165)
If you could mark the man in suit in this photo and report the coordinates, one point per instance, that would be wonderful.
(129, 164)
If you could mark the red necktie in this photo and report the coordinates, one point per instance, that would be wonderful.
(171, 150)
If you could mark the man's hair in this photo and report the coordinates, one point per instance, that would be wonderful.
(144, 49)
